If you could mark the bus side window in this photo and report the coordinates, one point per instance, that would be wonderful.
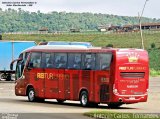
(60, 60)
(103, 61)
(48, 60)
(74, 61)
(21, 56)
(89, 61)
(35, 60)
(26, 56)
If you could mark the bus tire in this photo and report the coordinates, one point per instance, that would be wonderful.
(60, 101)
(8, 77)
(84, 99)
(31, 95)
(3, 76)
(114, 105)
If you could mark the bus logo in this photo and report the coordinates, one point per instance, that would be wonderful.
(133, 57)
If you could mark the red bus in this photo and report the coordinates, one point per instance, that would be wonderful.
(90, 75)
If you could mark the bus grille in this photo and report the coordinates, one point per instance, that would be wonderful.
(104, 92)
(132, 74)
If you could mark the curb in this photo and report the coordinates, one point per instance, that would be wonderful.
(7, 81)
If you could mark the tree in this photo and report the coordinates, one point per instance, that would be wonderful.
(19, 20)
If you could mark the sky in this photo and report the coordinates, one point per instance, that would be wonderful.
(115, 7)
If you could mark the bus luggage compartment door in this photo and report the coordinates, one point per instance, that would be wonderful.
(51, 83)
(104, 92)
(71, 84)
(102, 85)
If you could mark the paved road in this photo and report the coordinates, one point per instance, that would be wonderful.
(50, 109)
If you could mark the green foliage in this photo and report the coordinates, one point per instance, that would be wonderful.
(127, 40)
(109, 45)
(153, 45)
(154, 58)
(154, 72)
(18, 21)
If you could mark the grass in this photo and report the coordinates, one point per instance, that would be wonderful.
(123, 40)
(154, 73)
(154, 57)
(117, 115)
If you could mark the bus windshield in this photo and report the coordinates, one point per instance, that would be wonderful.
(20, 64)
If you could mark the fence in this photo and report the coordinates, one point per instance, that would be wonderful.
(83, 32)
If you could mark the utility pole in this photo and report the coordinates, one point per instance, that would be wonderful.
(140, 24)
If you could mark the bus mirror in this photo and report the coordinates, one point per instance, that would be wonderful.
(11, 65)
(30, 66)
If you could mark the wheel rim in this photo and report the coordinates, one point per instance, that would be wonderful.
(31, 95)
(84, 99)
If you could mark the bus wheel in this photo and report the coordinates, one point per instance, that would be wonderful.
(60, 101)
(3, 76)
(31, 95)
(114, 105)
(8, 77)
(84, 99)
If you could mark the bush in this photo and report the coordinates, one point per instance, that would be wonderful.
(154, 72)
(153, 45)
(109, 45)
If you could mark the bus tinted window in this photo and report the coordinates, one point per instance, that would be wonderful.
(89, 61)
(26, 55)
(21, 56)
(60, 60)
(48, 60)
(35, 60)
(19, 69)
(103, 61)
(74, 61)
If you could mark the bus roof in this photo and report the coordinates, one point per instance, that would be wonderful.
(78, 48)
(87, 44)
(50, 47)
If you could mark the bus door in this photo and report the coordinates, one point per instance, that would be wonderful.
(36, 73)
(61, 65)
(102, 75)
(72, 76)
(51, 76)
(20, 75)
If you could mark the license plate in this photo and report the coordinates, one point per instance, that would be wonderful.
(132, 98)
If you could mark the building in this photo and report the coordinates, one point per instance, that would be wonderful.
(43, 30)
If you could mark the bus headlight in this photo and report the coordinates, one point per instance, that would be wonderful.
(115, 91)
(147, 91)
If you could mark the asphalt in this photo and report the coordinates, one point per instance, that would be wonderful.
(50, 109)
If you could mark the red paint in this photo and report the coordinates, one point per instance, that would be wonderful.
(67, 83)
